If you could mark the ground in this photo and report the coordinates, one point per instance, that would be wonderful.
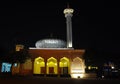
(56, 80)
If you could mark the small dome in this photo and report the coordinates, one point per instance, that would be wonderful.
(50, 43)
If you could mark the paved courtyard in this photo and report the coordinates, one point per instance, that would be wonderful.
(55, 80)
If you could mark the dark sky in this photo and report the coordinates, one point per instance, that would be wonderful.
(95, 24)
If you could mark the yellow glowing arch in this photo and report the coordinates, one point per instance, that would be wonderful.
(39, 65)
(64, 65)
(52, 66)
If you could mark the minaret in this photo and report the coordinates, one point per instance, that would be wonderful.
(68, 15)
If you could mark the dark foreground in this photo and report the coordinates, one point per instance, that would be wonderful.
(55, 80)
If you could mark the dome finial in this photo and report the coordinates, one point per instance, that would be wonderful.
(51, 35)
(68, 6)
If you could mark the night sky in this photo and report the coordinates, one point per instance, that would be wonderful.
(95, 24)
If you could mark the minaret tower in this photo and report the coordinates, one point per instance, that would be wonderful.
(68, 15)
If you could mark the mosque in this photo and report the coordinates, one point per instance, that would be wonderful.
(54, 57)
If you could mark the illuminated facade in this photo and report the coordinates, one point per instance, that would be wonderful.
(54, 57)
(58, 61)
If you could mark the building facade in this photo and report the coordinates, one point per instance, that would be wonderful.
(58, 62)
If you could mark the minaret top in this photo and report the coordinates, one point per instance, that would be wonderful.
(68, 10)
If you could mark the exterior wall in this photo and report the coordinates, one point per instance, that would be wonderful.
(48, 53)
(15, 69)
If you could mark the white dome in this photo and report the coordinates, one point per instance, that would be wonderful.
(50, 43)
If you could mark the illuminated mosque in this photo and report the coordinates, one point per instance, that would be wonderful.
(54, 57)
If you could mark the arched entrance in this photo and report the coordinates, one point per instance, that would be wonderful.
(52, 66)
(77, 68)
(39, 66)
(28, 64)
(77, 63)
(64, 65)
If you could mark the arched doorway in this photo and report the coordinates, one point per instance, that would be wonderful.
(64, 65)
(77, 68)
(77, 65)
(52, 66)
(39, 66)
(28, 64)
